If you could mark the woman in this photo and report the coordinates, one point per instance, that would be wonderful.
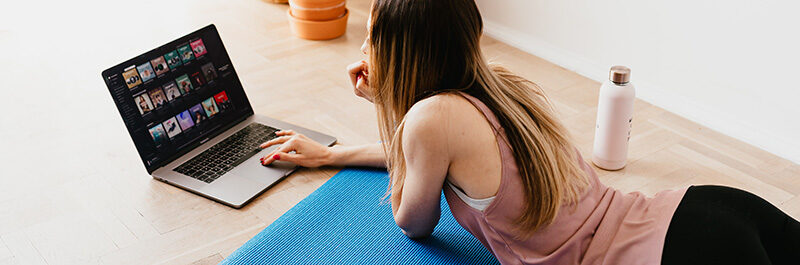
(511, 176)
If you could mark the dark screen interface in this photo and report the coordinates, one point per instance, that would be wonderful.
(175, 96)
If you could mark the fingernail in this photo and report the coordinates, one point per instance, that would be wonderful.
(276, 157)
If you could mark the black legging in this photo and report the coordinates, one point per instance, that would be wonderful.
(722, 225)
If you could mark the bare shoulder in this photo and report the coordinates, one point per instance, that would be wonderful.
(441, 121)
(437, 114)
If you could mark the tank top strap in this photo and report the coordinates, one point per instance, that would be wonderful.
(486, 113)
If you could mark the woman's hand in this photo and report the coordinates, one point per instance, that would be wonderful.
(307, 152)
(359, 78)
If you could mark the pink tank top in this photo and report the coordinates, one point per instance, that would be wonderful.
(605, 227)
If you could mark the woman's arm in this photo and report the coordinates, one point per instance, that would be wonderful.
(427, 156)
(368, 155)
(309, 153)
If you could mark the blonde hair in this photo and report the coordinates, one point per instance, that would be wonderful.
(420, 48)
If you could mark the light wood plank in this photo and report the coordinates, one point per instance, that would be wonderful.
(23, 250)
(5, 253)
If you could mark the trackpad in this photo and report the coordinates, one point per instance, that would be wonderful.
(253, 170)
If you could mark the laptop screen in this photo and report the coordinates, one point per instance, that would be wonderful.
(177, 96)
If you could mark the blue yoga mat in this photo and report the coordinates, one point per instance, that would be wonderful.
(344, 222)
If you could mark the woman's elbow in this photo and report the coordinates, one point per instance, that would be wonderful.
(414, 230)
(416, 234)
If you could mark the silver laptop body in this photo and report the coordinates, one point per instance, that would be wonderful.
(183, 98)
(248, 179)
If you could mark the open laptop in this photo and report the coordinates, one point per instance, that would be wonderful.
(192, 123)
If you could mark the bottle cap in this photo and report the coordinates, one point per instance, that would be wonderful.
(619, 74)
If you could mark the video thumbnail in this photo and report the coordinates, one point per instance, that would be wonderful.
(185, 120)
(210, 107)
(146, 71)
(209, 72)
(160, 65)
(132, 78)
(143, 103)
(186, 53)
(198, 47)
(173, 60)
(172, 128)
(184, 84)
(222, 101)
(172, 91)
(197, 80)
(158, 97)
(198, 114)
(158, 134)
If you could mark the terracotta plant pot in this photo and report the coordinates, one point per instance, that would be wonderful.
(317, 9)
(318, 30)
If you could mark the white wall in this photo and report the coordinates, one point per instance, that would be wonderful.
(730, 65)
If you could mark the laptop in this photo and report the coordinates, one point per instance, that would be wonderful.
(192, 123)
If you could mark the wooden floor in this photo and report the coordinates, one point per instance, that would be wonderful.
(73, 190)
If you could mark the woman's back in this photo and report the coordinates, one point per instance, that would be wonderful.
(604, 227)
(476, 164)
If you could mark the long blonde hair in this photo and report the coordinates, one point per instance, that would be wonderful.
(423, 47)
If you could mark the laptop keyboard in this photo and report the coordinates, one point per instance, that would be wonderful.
(225, 155)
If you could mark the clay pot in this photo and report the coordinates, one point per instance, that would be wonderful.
(317, 30)
(317, 9)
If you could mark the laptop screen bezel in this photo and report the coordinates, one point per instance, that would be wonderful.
(245, 112)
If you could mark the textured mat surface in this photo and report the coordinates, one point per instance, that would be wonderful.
(344, 222)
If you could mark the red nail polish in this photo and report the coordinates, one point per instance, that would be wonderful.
(276, 157)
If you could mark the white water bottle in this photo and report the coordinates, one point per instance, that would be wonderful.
(614, 117)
